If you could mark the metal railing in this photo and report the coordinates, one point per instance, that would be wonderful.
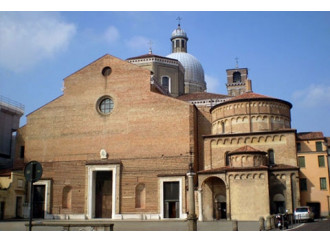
(4, 101)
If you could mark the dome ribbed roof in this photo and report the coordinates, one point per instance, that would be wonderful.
(194, 71)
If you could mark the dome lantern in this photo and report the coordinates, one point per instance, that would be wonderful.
(179, 40)
(194, 73)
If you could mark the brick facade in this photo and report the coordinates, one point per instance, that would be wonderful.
(147, 135)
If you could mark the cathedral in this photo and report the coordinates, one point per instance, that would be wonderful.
(119, 141)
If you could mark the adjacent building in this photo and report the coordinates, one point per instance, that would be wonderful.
(12, 182)
(313, 160)
(12, 194)
(10, 114)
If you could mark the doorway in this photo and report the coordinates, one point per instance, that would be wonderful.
(316, 208)
(214, 199)
(19, 205)
(279, 207)
(220, 209)
(103, 194)
(171, 199)
(39, 201)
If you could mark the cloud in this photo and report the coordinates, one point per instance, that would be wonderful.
(213, 84)
(138, 43)
(313, 96)
(111, 34)
(27, 38)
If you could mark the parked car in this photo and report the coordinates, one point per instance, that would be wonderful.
(303, 213)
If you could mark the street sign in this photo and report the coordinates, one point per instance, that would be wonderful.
(33, 171)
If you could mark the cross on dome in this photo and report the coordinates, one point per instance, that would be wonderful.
(179, 20)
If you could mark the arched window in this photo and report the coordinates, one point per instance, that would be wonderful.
(271, 157)
(237, 77)
(67, 197)
(166, 83)
(140, 196)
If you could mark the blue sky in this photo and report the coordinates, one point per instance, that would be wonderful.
(287, 53)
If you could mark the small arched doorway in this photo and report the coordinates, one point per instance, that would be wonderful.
(214, 199)
(279, 202)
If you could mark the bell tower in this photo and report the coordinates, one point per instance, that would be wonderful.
(237, 81)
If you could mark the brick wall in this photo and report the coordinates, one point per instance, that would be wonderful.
(148, 132)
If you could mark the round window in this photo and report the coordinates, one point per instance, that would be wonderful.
(106, 71)
(105, 105)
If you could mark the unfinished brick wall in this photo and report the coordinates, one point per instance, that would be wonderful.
(147, 132)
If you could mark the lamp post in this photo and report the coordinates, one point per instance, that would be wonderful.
(192, 218)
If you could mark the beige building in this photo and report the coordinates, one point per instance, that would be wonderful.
(119, 141)
(12, 194)
(313, 157)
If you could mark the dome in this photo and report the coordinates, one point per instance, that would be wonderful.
(179, 33)
(193, 69)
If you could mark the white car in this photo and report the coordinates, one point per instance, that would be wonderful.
(303, 213)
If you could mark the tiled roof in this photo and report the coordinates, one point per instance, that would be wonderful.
(283, 167)
(149, 56)
(253, 96)
(310, 135)
(201, 96)
(258, 168)
(250, 95)
(246, 149)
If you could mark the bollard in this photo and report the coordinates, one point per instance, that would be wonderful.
(235, 225)
(268, 223)
(272, 222)
(261, 224)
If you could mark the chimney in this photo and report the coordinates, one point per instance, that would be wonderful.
(248, 85)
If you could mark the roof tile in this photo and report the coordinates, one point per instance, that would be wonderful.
(201, 96)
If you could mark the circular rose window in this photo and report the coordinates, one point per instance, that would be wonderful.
(105, 105)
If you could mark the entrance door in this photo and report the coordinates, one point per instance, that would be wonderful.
(19, 204)
(39, 201)
(103, 194)
(171, 199)
(220, 207)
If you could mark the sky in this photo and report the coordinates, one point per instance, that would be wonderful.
(287, 53)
